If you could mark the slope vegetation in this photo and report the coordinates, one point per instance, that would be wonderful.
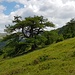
(56, 59)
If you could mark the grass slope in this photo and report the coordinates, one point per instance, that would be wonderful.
(56, 59)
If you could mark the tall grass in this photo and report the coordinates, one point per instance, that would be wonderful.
(56, 59)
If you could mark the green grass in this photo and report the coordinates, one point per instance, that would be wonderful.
(56, 59)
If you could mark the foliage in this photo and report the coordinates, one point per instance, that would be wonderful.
(29, 34)
(68, 31)
(51, 36)
(2, 44)
(60, 38)
(41, 58)
(25, 35)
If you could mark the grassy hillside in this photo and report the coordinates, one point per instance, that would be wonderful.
(56, 59)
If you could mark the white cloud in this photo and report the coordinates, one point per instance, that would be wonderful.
(57, 11)
(1, 0)
(2, 8)
(17, 6)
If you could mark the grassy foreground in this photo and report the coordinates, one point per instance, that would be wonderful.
(56, 59)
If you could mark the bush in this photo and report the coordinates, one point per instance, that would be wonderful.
(8, 52)
(40, 59)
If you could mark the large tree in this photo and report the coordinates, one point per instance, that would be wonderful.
(30, 26)
(29, 29)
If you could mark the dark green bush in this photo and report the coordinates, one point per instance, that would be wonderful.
(41, 59)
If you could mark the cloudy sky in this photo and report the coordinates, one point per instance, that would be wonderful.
(57, 11)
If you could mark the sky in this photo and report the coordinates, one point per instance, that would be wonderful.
(57, 11)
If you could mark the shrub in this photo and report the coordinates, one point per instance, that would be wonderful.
(41, 59)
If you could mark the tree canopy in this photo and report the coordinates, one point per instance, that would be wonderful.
(26, 33)
(30, 26)
(68, 31)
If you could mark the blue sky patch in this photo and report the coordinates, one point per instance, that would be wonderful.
(11, 6)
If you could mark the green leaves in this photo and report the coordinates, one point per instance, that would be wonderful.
(26, 34)
(68, 31)
(49, 24)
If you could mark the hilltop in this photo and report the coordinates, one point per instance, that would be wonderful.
(56, 59)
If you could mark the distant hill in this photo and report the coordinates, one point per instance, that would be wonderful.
(2, 35)
(2, 43)
(56, 59)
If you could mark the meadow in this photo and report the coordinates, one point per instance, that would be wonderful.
(55, 59)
